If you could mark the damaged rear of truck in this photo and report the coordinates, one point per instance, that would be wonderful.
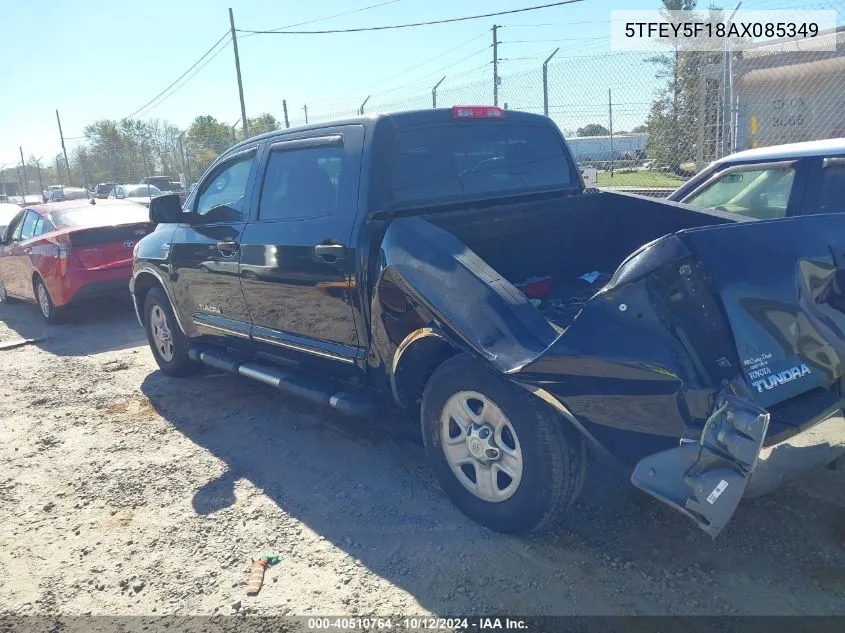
(453, 260)
(710, 362)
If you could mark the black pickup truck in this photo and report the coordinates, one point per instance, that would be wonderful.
(452, 262)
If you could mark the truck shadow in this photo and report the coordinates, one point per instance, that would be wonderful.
(366, 488)
(96, 326)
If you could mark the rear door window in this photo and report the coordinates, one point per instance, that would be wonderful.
(473, 160)
(43, 225)
(755, 191)
(301, 183)
(832, 188)
(29, 222)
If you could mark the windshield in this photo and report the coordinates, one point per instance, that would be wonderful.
(453, 162)
(99, 215)
(141, 191)
(69, 193)
(162, 183)
(757, 192)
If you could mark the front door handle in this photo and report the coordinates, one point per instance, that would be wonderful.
(27, 249)
(228, 248)
(330, 253)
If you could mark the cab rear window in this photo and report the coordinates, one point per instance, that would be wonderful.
(476, 160)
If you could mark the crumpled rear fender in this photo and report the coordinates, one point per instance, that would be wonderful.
(427, 278)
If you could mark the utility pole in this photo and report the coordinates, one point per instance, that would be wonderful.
(727, 91)
(20, 184)
(64, 150)
(546, 82)
(38, 167)
(23, 169)
(361, 109)
(305, 107)
(285, 108)
(610, 122)
(434, 92)
(495, 65)
(238, 71)
(232, 129)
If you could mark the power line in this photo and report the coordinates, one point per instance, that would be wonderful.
(412, 24)
(423, 63)
(225, 35)
(329, 17)
(204, 55)
(562, 39)
(429, 74)
(435, 72)
(186, 80)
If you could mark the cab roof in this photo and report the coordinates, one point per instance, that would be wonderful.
(401, 119)
(826, 147)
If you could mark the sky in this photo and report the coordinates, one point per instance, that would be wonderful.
(106, 59)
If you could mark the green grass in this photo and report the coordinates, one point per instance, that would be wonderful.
(639, 179)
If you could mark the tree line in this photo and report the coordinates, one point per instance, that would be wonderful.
(129, 150)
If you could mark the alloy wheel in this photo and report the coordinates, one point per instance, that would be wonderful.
(162, 335)
(481, 446)
(43, 299)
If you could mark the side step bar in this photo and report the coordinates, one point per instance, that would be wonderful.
(324, 392)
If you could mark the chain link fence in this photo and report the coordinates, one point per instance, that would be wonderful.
(643, 122)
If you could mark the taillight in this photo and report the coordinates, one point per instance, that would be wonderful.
(477, 112)
(64, 256)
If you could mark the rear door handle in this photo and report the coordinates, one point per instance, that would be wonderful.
(331, 253)
(228, 248)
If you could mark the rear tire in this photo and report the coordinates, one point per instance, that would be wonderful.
(512, 463)
(51, 313)
(167, 341)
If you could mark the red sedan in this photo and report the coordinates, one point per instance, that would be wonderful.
(65, 252)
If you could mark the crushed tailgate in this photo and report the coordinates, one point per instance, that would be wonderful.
(780, 283)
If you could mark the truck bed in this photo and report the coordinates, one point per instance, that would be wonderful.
(565, 301)
(565, 238)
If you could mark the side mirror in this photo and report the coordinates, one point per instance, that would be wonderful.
(167, 209)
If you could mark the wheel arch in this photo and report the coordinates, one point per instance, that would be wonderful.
(142, 283)
(145, 280)
(36, 275)
(415, 360)
(567, 418)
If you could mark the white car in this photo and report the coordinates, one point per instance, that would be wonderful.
(142, 194)
(772, 182)
(68, 193)
(49, 192)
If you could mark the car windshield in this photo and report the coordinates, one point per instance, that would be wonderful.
(453, 162)
(70, 193)
(757, 192)
(141, 191)
(163, 184)
(99, 215)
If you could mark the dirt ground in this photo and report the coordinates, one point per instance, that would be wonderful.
(126, 492)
